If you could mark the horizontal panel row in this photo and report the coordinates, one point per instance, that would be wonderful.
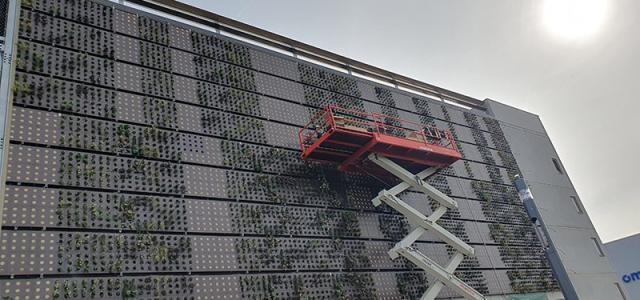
(47, 207)
(360, 285)
(50, 252)
(326, 187)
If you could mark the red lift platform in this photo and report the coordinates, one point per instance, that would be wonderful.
(376, 143)
(347, 137)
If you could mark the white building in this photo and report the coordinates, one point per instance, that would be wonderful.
(624, 255)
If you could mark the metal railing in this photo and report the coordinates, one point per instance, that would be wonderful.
(207, 18)
(361, 123)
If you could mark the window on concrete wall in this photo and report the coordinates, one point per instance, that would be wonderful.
(620, 290)
(556, 164)
(597, 245)
(576, 203)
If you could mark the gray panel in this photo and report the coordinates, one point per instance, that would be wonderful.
(504, 281)
(189, 118)
(128, 78)
(367, 90)
(413, 119)
(183, 63)
(482, 253)
(203, 150)
(279, 88)
(404, 102)
(485, 233)
(203, 181)
(456, 115)
(217, 287)
(214, 253)
(372, 107)
(456, 191)
(464, 133)
(471, 152)
(37, 165)
(124, 22)
(493, 282)
(28, 206)
(468, 209)
(274, 64)
(386, 286)
(274, 109)
(28, 252)
(459, 169)
(130, 107)
(479, 171)
(186, 89)
(127, 49)
(282, 135)
(180, 37)
(35, 126)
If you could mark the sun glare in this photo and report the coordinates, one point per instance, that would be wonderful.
(574, 19)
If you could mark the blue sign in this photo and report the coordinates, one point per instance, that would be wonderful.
(631, 277)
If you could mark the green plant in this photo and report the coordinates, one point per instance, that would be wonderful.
(138, 166)
(148, 151)
(67, 105)
(160, 254)
(37, 62)
(56, 289)
(21, 88)
(128, 289)
(82, 265)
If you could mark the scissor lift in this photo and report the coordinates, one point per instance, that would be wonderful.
(381, 144)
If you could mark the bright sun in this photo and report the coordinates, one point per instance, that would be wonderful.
(574, 19)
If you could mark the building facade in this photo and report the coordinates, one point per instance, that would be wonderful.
(148, 158)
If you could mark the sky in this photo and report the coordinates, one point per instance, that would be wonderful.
(576, 66)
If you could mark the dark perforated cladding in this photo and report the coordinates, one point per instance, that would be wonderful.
(143, 146)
